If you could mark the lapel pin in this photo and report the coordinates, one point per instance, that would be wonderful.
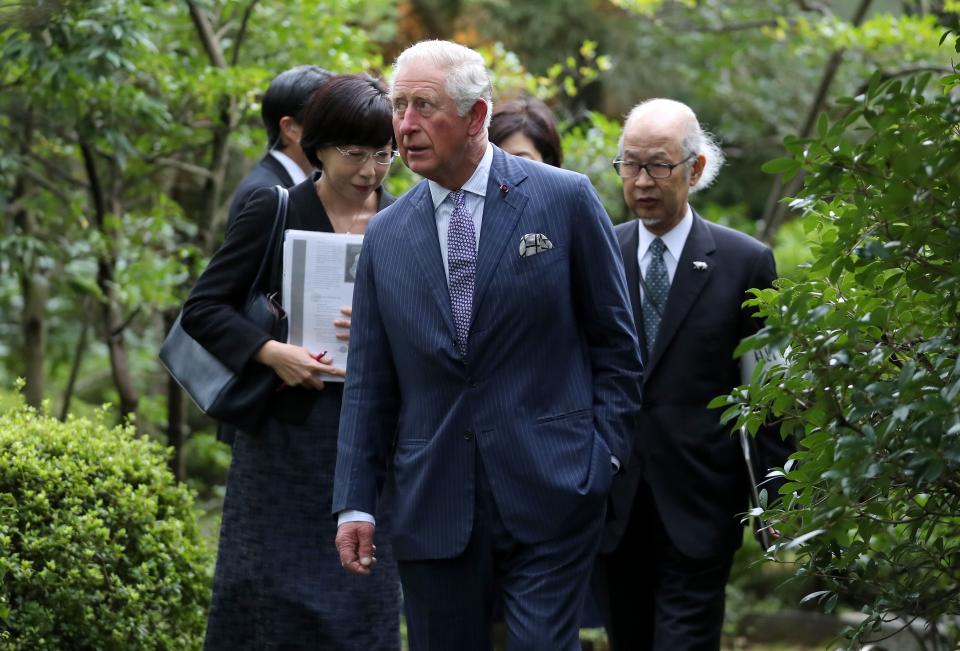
(699, 265)
(503, 188)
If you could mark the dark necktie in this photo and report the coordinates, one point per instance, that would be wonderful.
(462, 267)
(656, 286)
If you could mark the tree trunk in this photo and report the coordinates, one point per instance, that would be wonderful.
(775, 211)
(176, 426)
(35, 289)
(77, 360)
(113, 322)
(176, 418)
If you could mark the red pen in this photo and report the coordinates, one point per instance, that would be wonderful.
(283, 385)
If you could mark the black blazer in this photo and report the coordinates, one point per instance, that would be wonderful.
(211, 314)
(692, 464)
(268, 173)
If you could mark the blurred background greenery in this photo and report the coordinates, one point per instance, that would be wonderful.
(125, 125)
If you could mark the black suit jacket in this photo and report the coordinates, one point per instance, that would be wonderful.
(268, 173)
(694, 465)
(211, 314)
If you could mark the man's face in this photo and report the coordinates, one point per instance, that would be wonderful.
(659, 203)
(433, 140)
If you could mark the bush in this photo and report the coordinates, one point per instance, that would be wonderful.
(869, 379)
(99, 548)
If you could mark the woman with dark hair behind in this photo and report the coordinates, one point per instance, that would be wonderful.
(526, 127)
(278, 582)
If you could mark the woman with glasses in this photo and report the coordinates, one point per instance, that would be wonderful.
(278, 582)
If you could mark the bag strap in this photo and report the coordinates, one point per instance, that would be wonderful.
(268, 266)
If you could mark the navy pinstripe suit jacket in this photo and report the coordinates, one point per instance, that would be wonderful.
(548, 390)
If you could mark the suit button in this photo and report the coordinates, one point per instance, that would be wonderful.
(472, 383)
(468, 435)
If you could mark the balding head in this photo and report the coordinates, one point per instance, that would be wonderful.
(676, 119)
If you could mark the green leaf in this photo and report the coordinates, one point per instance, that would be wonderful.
(786, 166)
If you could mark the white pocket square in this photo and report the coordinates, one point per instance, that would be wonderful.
(534, 243)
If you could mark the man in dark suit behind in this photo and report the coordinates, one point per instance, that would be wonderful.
(675, 526)
(494, 359)
(282, 111)
(284, 163)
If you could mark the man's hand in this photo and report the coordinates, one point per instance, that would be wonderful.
(355, 546)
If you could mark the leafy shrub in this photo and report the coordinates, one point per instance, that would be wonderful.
(99, 548)
(870, 376)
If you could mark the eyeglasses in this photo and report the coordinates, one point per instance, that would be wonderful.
(360, 156)
(628, 169)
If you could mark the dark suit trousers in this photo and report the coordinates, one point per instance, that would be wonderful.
(653, 597)
(449, 602)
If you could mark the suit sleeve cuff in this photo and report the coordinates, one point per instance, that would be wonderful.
(355, 516)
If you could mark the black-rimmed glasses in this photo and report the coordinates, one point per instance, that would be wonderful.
(628, 169)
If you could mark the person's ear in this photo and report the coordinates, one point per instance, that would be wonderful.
(698, 166)
(290, 131)
(478, 117)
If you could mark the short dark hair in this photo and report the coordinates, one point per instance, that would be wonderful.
(287, 95)
(347, 110)
(532, 118)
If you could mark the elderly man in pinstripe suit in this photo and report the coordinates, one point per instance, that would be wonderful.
(494, 361)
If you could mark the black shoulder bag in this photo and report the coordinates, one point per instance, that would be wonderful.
(236, 399)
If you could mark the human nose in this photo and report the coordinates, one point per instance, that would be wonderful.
(368, 167)
(406, 121)
(643, 178)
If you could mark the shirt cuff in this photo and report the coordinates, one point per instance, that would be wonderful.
(616, 464)
(355, 516)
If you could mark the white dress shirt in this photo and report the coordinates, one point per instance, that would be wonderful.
(475, 194)
(296, 174)
(674, 239)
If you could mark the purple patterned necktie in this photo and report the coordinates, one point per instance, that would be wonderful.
(462, 265)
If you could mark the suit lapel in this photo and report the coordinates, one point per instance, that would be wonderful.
(501, 210)
(629, 237)
(425, 249)
(277, 167)
(686, 286)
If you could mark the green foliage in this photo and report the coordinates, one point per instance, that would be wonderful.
(869, 381)
(99, 548)
(590, 148)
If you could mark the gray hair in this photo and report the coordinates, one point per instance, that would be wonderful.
(696, 140)
(467, 77)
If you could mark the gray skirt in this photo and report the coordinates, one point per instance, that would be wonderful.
(278, 582)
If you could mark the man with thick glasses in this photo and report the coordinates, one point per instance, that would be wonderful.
(675, 524)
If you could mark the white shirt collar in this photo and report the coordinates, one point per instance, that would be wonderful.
(675, 238)
(296, 174)
(476, 184)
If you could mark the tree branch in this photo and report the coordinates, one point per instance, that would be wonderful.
(775, 211)
(184, 166)
(207, 37)
(242, 32)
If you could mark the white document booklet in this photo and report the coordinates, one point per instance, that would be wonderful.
(319, 271)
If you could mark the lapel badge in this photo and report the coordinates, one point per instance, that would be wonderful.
(699, 265)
